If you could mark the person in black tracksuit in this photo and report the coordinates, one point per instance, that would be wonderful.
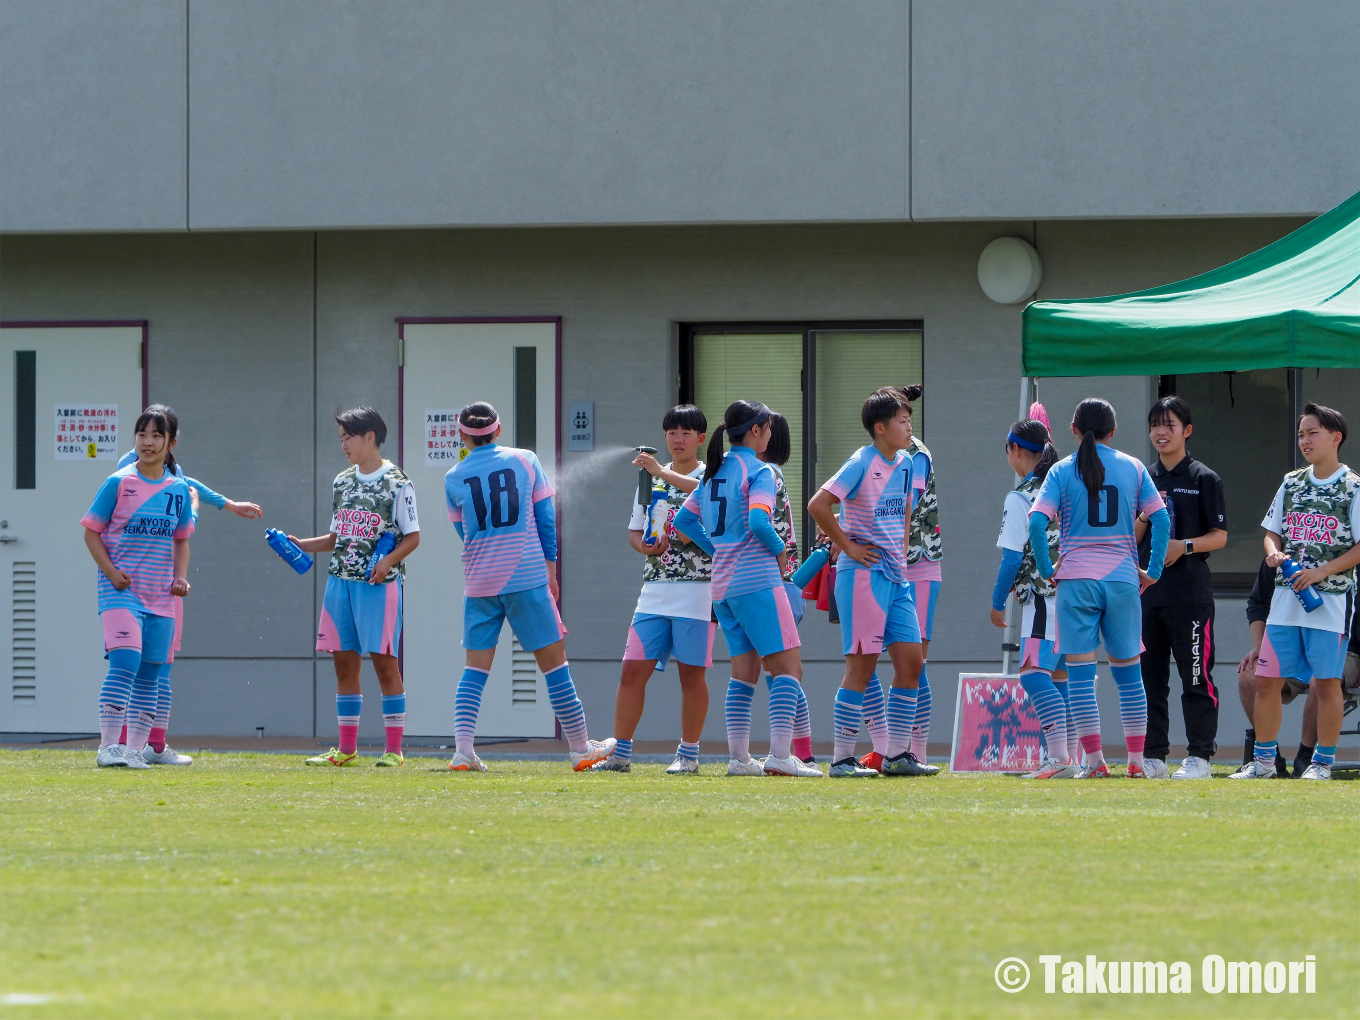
(1178, 611)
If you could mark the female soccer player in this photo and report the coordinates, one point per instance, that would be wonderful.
(924, 573)
(731, 515)
(500, 501)
(675, 609)
(157, 751)
(1043, 673)
(1095, 495)
(361, 610)
(1314, 522)
(874, 488)
(138, 532)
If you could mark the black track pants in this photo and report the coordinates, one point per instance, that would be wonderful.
(1187, 632)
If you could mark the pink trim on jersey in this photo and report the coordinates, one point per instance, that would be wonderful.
(391, 610)
(788, 627)
(1029, 656)
(925, 570)
(869, 620)
(121, 628)
(327, 634)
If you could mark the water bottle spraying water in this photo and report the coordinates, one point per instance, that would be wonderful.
(1311, 600)
(288, 550)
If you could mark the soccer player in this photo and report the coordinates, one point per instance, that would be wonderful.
(874, 488)
(1095, 495)
(137, 531)
(500, 501)
(1314, 521)
(1178, 611)
(361, 609)
(730, 514)
(1043, 673)
(157, 751)
(1258, 611)
(925, 553)
(674, 614)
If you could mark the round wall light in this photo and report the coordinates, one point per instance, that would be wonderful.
(1009, 270)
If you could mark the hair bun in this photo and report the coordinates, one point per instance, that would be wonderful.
(1038, 413)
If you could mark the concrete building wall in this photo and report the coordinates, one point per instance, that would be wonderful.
(259, 338)
(250, 114)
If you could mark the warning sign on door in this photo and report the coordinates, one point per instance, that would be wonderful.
(87, 432)
(443, 444)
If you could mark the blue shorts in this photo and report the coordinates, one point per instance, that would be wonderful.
(660, 637)
(1038, 637)
(533, 617)
(760, 621)
(152, 636)
(925, 594)
(1304, 653)
(875, 612)
(1091, 613)
(360, 617)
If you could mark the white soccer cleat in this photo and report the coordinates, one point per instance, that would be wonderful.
(110, 757)
(750, 767)
(1254, 770)
(169, 756)
(791, 766)
(1318, 771)
(1051, 768)
(466, 763)
(612, 764)
(682, 766)
(1193, 768)
(596, 751)
(1155, 768)
(134, 760)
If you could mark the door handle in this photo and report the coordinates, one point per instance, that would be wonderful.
(7, 539)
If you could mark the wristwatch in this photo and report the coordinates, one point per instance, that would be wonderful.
(1189, 546)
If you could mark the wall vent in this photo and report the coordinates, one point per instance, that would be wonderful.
(23, 640)
(523, 677)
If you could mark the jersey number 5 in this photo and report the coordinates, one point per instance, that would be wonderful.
(504, 498)
(721, 500)
(1106, 516)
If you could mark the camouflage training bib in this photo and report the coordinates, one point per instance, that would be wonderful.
(923, 541)
(363, 511)
(1029, 582)
(1317, 526)
(680, 562)
(783, 522)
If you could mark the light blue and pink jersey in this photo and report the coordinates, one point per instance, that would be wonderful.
(501, 501)
(741, 563)
(876, 498)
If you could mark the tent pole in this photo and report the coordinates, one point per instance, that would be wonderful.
(1296, 399)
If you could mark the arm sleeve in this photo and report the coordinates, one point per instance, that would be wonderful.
(206, 494)
(1161, 534)
(1005, 577)
(758, 520)
(689, 524)
(1038, 541)
(545, 517)
(404, 510)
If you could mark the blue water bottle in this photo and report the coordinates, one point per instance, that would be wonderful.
(811, 567)
(1310, 599)
(291, 554)
(386, 543)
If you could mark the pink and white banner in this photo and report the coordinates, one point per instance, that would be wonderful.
(995, 728)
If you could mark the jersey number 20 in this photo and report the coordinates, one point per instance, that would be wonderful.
(504, 497)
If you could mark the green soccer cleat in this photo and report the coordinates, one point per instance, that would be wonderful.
(335, 757)
(389, 759)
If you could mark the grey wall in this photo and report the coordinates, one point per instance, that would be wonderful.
(360, 113)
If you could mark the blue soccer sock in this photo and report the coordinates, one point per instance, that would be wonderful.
(875, 714)
(115, 693)
(1324, 755)
(1052, 713)
(846, 714)
(783, 707)
(901, 713)
(566, 705)
(738, 716)
(1081, 689)
(467, 704)
(1128, 677)
(688, 750)
(1265, 751)
(623, 750)
(141, 710)
(920, 727)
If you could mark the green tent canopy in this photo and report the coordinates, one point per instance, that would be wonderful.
(1293, 304)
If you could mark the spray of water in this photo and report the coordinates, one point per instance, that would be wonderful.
(583, 473)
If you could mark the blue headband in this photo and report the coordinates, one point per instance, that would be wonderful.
(1024, 444)
(761, 418)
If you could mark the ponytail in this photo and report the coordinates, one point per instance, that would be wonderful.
(714, 458)
(1032, 434)
(1094, 419)
(737, 420)
(164, 418)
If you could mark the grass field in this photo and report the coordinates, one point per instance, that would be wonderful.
(247, 885)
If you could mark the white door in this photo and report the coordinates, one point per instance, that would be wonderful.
(88, 380)
(447, 365)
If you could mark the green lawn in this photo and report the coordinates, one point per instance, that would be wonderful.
(248, 885)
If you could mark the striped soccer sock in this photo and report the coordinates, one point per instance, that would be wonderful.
(920, 727)
(875, 714)
(115, 693)
(802, 727)
(1264, 751)
(1068, 736)
(1324, 755)
(738, 716)
(566, 705)
(1132, 708)
(846, 714)
(348, 708)
(1049, 707)
(623, 750)
(141, 710)
(688, 750)
(157, 736)
(783, 706)
(467, 703)
(901, 713)
(394, 721)
(1081, 690)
